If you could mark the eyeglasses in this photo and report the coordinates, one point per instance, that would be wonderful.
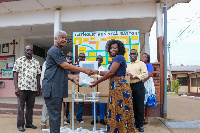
(27, 50)
(69, 56)
(133, 53)
(82, 56)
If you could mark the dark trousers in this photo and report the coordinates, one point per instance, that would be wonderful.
(67, 110)
(138, 93)
(28, 97)
(54, 107)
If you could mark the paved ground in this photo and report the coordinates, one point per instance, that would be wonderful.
(179, 110)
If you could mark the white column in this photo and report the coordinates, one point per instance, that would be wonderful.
(57, 20)
(159, 20)
(20, 47)
(147, 48)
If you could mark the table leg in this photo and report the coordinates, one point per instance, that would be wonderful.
(62, 115)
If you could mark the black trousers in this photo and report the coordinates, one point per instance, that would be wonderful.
(67, 110)
(54, 107)
(138, 93)
(28, 97)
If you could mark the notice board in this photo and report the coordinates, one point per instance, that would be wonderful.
(93, 43)
(6, 66)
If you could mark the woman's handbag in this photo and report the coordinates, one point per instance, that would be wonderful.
(150, 97)
(151, 101)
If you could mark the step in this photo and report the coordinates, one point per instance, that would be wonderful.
(11, 109)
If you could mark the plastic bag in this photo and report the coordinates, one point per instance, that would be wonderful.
(85, 80)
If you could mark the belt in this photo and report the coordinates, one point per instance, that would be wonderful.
(137, 82)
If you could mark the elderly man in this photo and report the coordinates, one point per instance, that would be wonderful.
(101, 105)
(137, 71)
(27, 84)
(69, 58)
(54, 84)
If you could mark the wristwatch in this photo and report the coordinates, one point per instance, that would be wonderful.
(72, 79)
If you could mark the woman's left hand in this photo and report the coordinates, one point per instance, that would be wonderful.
(93, 84)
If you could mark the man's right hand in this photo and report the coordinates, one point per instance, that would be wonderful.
(17, 91)
(89, 72)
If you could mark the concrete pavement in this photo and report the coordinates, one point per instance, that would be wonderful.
(179, 110)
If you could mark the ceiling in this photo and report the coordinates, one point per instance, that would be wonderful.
(42, 35)
(10, 6)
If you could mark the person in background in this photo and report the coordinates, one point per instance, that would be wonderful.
(120, 117)
(107, 67)
(44, 107)
(27, 86)
(147, 82)
(137, 71)
(79, 113)
(54, 84)
(101, 105)
(69, 59)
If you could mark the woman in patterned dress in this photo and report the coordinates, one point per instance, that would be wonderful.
(120, 117)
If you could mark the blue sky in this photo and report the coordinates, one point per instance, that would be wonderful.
(183, 34)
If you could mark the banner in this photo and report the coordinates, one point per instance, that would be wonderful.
(93, 43)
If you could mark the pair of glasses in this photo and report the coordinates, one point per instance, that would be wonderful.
(82, 56)
(133, 53)
(27, 50)
(70, 56)
(99, 58)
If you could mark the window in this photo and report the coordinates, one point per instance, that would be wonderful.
(193, 82)
(182, 80)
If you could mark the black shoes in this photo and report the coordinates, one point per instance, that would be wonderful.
(145, 123)
(21, 129)
(92, 123)
(102, 122)
(67, 122)
(80, 121)
(141, 129)
(31, 126)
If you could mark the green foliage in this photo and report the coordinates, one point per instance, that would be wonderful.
(176, 85)
(168, 88)
(172, 94)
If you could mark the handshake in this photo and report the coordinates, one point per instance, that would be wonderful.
(90, 72)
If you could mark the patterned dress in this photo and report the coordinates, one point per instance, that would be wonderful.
(120, 115)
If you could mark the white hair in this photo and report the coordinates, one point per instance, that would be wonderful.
(59, 32)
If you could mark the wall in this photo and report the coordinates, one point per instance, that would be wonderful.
(194, 89)
(9, 89)
(183, 89)
(2, 41)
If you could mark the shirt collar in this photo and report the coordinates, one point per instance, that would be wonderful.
(135, 61)
(24, 57)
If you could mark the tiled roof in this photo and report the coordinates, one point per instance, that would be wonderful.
(185, 68)
(197, 71)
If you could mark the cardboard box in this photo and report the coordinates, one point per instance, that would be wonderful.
(87, 89)
(103, 87)
(70, 87)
